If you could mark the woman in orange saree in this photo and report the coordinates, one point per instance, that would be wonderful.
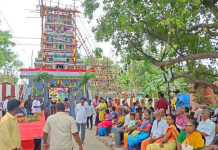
(168, 142)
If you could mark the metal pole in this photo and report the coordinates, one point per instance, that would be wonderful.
(169, 96)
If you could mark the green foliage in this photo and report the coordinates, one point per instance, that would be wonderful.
(29, 119)
(86, 77)
(41, 76)
(198, 96)
(98, 52)
(37, 91)
(40, 53)
(9, 62)
(161, 32)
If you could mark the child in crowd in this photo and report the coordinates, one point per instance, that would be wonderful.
(99, 106)
(131, 122)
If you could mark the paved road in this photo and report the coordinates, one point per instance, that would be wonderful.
(92, 142)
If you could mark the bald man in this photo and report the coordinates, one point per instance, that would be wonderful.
(207, 127)
(198, 113)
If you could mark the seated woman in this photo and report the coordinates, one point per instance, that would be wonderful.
(120, 122)
(190, 136)
(106, 114)
(138, 123)
(168, 142)
(104, 125)
(141, 133)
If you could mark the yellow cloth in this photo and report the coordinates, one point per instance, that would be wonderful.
(216, 128)
(121, 119)
(195, 139)
(165, 118)
(9, 133)
(37, 114)
(143, 105)
(125, 140)
(42, 113)
(101, 113)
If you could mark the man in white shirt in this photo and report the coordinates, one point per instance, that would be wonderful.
(207, 127)
(6, 104)
(158, 129)
(61, 127)
(81, 112)
(36, 107)
(91, 110)
(119, 132)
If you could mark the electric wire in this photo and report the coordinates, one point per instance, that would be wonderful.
(13, 32)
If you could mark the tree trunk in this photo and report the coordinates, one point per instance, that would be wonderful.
(33, 85)
(84, 90)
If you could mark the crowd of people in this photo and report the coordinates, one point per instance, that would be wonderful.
(145, 127)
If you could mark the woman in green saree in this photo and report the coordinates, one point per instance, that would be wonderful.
(190, 137)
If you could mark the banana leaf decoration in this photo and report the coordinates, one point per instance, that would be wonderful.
(39, 77)
(84, 79)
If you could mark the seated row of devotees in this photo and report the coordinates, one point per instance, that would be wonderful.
(153, 131)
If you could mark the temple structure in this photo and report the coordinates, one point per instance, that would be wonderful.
(59, 57)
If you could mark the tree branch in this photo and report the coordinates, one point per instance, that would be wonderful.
(196, 81)
(212, 33)
(203, 25)
(180, 59)
(189, 68)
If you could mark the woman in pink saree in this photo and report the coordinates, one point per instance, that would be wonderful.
(104, 125)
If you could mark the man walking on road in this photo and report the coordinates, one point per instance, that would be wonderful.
(61, 128)
(9, 129)
(81, 112)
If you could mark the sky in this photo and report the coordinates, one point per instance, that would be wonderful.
(16, 16)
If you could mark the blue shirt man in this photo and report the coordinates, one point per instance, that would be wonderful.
(179, 101)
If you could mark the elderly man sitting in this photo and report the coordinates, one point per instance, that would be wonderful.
(181, 118)
(198, 113)
(157, 132)
(207, 127)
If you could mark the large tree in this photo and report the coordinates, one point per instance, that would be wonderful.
(9, 61)
(181, 34)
